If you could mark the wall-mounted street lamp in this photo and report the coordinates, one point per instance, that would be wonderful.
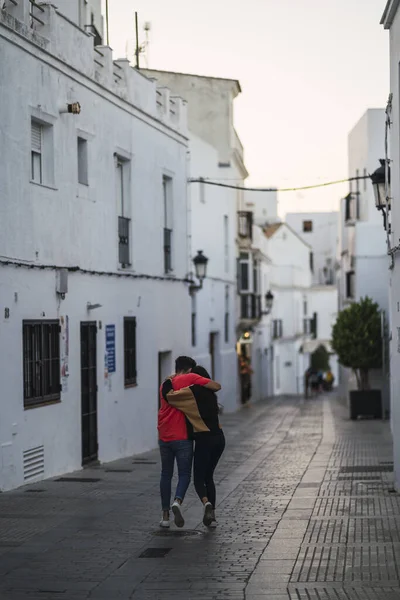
(200, 264)
(382, 202)
(269, 301)
(90, 306)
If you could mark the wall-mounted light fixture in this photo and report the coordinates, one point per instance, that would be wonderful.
(200, 264)
(91, 306)
(382, 202)
(73, 108)
(269, 301)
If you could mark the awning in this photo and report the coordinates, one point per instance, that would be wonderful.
(310, 346)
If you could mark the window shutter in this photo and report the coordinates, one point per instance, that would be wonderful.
(36, 137)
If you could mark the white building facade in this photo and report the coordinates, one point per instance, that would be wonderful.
(320, 230)
(364, 268)
(94, 248)
(216, 154)
(391, 21)
(291, 328)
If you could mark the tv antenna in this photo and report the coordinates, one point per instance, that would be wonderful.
(144, 47)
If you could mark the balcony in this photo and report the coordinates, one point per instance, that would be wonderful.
(245, 225)
(123, 245)
(250, 307)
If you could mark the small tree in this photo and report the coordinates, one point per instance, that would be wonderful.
(357, 339)
(320, 359)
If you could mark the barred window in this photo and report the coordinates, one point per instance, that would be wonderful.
(130, 351)
(41, 362)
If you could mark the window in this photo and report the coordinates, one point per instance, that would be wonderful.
(312, 262)
(168, 223)
(124, 222)
(226, 242)
(314, 326)
(307, 325)
(277, 328)
(256, 276)
(130, 375)
(365, 180)
(350, 284)
(357, 182)
(226, 320)
(83, 161)
(305, 307)
(36, 152)
(307, 226)
(41, 360)
(194, 321)
(244, 272)
(42, 153)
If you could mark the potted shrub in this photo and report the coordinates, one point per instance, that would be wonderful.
(357, 340)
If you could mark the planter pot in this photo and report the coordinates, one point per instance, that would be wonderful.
(365, 403)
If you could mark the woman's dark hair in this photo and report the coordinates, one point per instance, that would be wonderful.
(198, 370)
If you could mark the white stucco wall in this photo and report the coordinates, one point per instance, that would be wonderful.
(263, 205)
(363, 241)
(323, 239)
(68, 224)
(290, 283)
(394, 26)
(209, 208)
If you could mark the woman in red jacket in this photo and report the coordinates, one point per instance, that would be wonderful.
(175, 443)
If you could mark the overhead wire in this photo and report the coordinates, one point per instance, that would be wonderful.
(275, 189)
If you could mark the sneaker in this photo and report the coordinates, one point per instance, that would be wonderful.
(164, 524)
(213, 524)
(208, 514)
(177, 510)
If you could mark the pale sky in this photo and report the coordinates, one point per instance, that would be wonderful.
(308, 70)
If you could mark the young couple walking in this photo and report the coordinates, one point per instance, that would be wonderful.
(189, 414)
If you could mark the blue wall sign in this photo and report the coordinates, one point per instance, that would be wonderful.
(110, 347)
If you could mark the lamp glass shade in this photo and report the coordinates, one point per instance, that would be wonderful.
(269, 300)
(378, 182)
(200, 264)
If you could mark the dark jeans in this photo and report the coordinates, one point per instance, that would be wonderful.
(208, 451)
(182, 451)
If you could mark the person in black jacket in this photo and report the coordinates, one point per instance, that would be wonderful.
(200, 406)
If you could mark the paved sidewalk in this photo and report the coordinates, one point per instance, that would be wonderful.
(306, 511)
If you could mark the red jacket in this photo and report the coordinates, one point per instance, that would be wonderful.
(171, 421)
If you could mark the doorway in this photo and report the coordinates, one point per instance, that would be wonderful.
(165, 369)
(89, 391)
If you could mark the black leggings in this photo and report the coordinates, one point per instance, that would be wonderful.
(208, 451)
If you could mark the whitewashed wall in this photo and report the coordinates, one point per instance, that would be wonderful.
(67, 224)
(392, 21)
(290, 281)
(323, 239)
(209, 207)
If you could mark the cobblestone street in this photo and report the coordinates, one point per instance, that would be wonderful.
(306, 511)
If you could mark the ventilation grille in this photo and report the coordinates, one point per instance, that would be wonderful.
(33, 463)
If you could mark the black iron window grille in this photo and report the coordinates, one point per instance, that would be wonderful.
(123, 236)
(41, 362)
(194, 319)
(250, 306)
(167, 250)
(130, 372)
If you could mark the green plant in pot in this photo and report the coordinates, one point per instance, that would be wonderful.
(357, 340)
